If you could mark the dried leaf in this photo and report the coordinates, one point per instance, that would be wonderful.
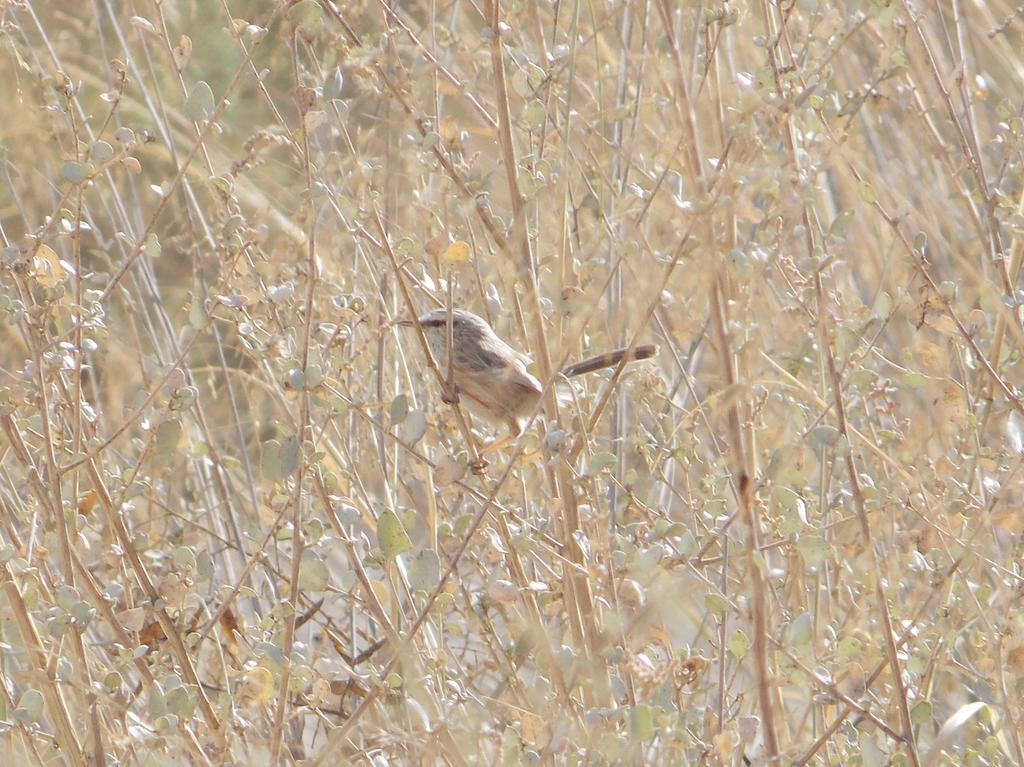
(87, 502)
(437, 245)
(182, 52)
(144, 24)
(257, 686)
(532, 729)
(152, 633)
(229, 624)
(934, 358)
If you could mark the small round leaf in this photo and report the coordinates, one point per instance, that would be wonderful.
(391, 535)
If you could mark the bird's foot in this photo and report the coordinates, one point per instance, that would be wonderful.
(498, 444)
(479, 466)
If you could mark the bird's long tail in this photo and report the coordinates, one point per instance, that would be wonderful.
(609, 359)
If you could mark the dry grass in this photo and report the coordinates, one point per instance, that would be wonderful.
(237, 524)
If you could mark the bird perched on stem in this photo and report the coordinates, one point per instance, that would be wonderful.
(488, 375)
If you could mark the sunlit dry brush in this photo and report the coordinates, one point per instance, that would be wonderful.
(238, 520)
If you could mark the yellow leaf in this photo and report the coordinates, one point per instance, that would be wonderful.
(47, 268)
(86, 502)
(724, 743)
(258, 685)
(391, 535)
(457, 252)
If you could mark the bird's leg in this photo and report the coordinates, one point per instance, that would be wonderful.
(450, 396)
(449, 391)
(497, 444)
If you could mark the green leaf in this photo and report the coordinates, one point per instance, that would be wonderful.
(289, 456)
(101, 152)
(399, 409)
(825, 435)
(313, 574)
(915, 380)
(184, 558)
(66, 596)
(200, 102)
(599, 462)
(168, 435)
(716, 604)
(649, 557)
(424, 571)
(414, 427)
(314, 530)
(180, 700)
(511, 746)
(921, 713)
(152, 247)
(871, 753)
(272, 460)
(82, 613)
(800, 630)
(391, 536)
(739, 644)
(307, 18)
(840, 225)
(73, 172)
(813, 549)
(883, 305)
(30, 706)
(641, 722)
(314, 376)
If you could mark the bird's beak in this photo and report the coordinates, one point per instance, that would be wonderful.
(406, 323)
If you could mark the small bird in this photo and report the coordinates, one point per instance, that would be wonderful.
(489, 374)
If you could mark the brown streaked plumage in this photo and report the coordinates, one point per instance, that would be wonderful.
(489, 375)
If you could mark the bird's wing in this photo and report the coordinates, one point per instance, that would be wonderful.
(521, 378)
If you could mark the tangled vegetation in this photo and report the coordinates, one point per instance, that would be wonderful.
(238, 520)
